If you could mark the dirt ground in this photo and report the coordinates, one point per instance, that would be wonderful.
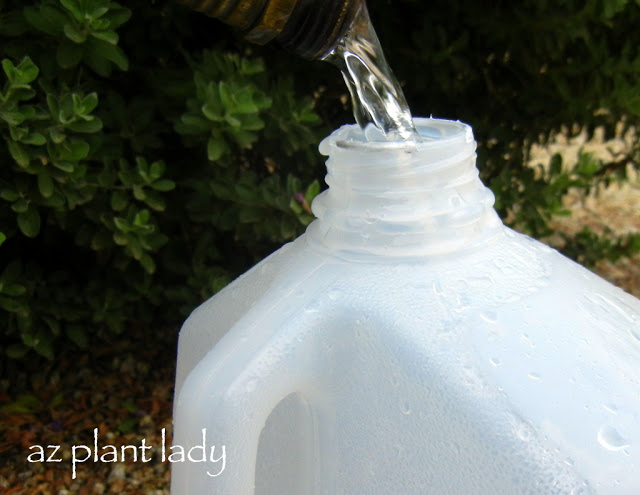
(126, 390)
(615, 208)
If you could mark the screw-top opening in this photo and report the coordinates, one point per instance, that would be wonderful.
(393, 200)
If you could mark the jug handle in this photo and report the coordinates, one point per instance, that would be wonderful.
(217, 408)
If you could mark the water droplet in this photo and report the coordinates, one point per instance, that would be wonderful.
(312, 307)
(527, 341)
(583, 489)
(406, 408)
(494, 361)
(455, 201)
(524, 431)
(334, 294)
(369, 220)
(399, 449)
(500, 263)
(612, 408)
(610, 439)
(490, 316)
(437, 288)
(534, 376)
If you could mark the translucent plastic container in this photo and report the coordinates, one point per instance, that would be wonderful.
(409, 343)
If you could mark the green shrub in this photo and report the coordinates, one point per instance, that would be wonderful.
(149, 156)
(139, 176)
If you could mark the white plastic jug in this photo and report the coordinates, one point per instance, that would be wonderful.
(408, 343)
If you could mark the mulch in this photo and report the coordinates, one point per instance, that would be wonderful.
(123, 390)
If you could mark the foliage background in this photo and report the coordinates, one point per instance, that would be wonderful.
(148, 155)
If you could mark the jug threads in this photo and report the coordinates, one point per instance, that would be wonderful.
(309, 28)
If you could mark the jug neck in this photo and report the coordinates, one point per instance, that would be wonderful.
(391, 201)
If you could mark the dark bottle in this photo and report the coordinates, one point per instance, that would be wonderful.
(309, 28)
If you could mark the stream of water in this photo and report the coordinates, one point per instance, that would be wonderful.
(375, 92)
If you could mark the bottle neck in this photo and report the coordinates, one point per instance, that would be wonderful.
(309, 28)
(402, 200)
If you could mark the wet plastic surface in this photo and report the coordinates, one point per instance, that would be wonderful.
(409, 343)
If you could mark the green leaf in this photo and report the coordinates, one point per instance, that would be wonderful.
(127, 425)
(75, 8)
(64, 165)
(120, 238)
(12, 305)
(25, 73)
(122, 225)
(74, 34)
(154, 201)
(110, 37)
(53, 324)
(47, 19)
(147, 263)
(163, 185)
(2, 238)
(75, 150)
(9, 195)
(44, 347)
(245, 192)
(156, 170)
(312, 191)
(139, 193)
(45, 184)
(19, 154)
(13, 290)
(18, 133)
(216, 147)
(77, 335)
(25, 404)
(97, 11)
(117, 16)
(142, 218)
(16, 351)
(57, 135)
(103, 50)
(29, 222)
(86, 105)
(35, 139)
(68, 55)
(119, 200)
(21, 205)
(86, 126)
